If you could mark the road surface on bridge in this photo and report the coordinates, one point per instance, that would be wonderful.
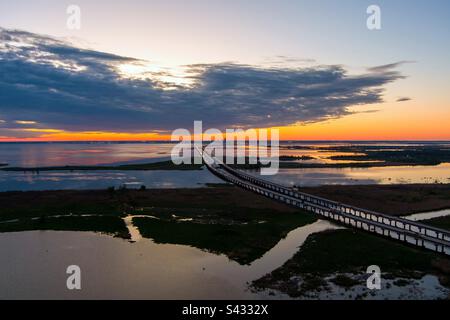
(397, 228)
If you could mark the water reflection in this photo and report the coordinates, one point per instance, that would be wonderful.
(88, 153)
(58, 154)
(113, 268)
(117, 269)
(54, 180)
(377, 175)
(66, 180)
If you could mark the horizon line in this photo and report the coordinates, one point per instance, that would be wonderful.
(281, 140)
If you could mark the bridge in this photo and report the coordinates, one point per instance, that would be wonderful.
(397, 228)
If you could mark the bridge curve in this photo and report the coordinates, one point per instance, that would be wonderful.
(397, 228)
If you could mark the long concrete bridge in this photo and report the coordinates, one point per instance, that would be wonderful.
(403, 230)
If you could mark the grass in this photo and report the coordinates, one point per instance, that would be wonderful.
(111, 225)
(350, 252)
(344, 281)
(369, 156)
(292, 158)
(162, 165)
(395, 199)
(299, 165)
(225, 219)
(407, 155)
(43, 203)
(243, 237)
(376, 156)
(222, 219)
(441, 222)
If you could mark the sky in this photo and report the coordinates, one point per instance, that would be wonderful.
(136, 70)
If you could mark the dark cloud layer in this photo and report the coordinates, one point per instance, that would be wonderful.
(388, 67)
(403, 99)
(61, 86)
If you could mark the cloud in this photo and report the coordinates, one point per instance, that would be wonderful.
(25, 122)
(63, 87)
(402, 99)
(389, 67)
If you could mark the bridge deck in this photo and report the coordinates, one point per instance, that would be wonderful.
(411, 232)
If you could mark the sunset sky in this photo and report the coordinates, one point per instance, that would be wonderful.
(136, 70)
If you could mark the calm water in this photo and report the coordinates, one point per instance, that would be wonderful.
(60, 154)
(54, 180)
(114, 268)
(57, 154)
(345, 176)
(33, 266)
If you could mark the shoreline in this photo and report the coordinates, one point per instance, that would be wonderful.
(225, 220)
(168, 165)
(161, 165)
(243, 226)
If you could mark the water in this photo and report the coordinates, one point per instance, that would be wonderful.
(117, 269)
(81, 153)
(428, 215)
(113, 268)
(34, 263)
(349, 176)
(59, 154)
(426, 288)
(60, 180)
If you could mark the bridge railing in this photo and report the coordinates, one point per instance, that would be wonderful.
(439, 245)
(352, 210)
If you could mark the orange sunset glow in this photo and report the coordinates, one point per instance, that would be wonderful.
(359, 126)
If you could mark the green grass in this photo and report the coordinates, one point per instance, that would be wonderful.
(411, 155)
(292, 158)
(352, 251)
(441, 222)
(242, 240)
(111, 225)
(226, 219)
(340, 252)
(162, 165)
(344, 281)
(35, 204)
